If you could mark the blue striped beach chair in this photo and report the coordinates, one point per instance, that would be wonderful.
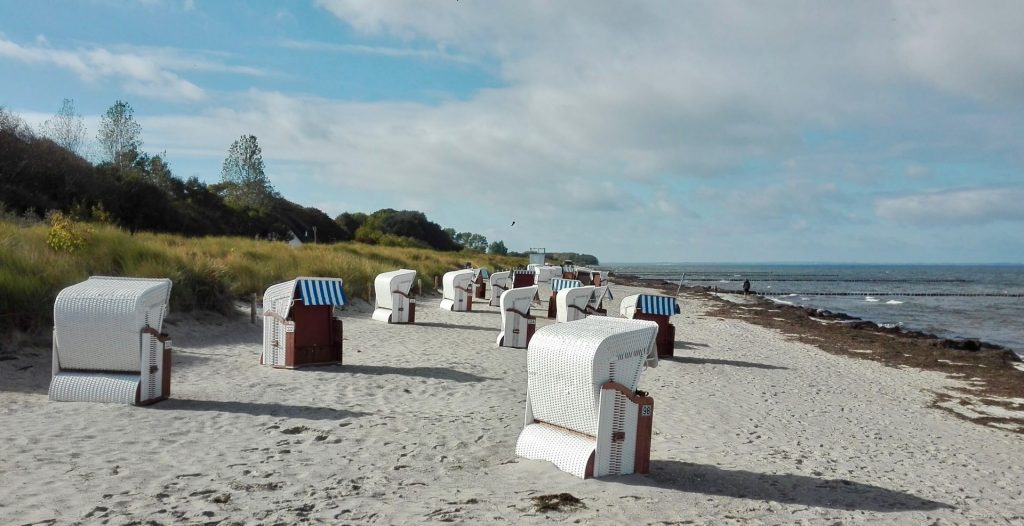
(299, 325)
(656, 308)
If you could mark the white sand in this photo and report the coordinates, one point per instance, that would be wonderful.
(420, 426)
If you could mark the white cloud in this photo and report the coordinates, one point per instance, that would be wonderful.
(137, 74)
(954, 207)
(355, 49)
(969, 49)
(151, 72)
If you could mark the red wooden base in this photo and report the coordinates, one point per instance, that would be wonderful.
(666, 339)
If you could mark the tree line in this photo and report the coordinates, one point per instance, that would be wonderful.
(46, 170)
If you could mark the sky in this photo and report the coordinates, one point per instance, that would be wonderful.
(659, 131)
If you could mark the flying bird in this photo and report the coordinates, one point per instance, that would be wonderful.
(513, 223)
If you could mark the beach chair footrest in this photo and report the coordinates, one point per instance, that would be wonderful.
(572, 452)
(83, 386)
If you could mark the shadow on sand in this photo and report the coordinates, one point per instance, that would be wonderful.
(455, 326)
(688, 345)
(716, 361)
(438, 373)
(783, 488)
(258, 409)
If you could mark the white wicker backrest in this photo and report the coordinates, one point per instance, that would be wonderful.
(627, 306)
(500, 279)
(278, 298)
(575, 296)
(387, 282)
(547, 272)
(98, 323)
(568, 362)
(519, 299)
(456, 279)
(598, 295)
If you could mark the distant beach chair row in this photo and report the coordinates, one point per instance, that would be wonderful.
(108, 346)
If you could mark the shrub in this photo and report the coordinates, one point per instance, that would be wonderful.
(65, 234)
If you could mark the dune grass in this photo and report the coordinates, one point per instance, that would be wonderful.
(209, 273)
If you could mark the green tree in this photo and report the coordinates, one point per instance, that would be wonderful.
(472, 241)
(243, 173)
(66, 128)
(120, 136)
(350, 222)
(497, 248)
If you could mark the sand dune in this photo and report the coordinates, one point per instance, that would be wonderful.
(420, 426)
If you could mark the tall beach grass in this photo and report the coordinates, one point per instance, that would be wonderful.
(208, 273)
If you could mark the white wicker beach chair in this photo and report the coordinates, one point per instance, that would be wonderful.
(583, 412)
(499, 282)
(107, 342)
(588, 276)
(546, 273)
(517, 325)
(658, 309)
(299, 326)
(572, 303)
(457, 292)
(558, 284)
(595, 305)
(480, 283)
(392, 296)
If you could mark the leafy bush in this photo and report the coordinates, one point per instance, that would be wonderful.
(65, 235)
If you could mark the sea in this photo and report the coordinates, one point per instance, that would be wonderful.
(980, 302)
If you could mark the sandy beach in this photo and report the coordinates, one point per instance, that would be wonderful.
(419, 425)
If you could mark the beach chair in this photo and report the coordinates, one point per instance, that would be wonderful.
(394, 305)
(523, 278)
(545, 273)
(517, 325)
(596, 303)
(108, 344)
(568, 271)
(558, 284)
(658, 309)
(458, 290)
(572, 303)
(479, 284)
(299, 326)
(499, 282)
(588, 276)
(583, 410)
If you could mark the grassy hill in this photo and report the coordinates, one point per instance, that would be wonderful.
(209, 273)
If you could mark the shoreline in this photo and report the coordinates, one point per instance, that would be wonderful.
(995, 372)
(964, 343)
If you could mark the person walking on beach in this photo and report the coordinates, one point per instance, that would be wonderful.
(746, 287)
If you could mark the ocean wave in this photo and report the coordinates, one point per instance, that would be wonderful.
(870, 299)
(894, 302)
(783, 302)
